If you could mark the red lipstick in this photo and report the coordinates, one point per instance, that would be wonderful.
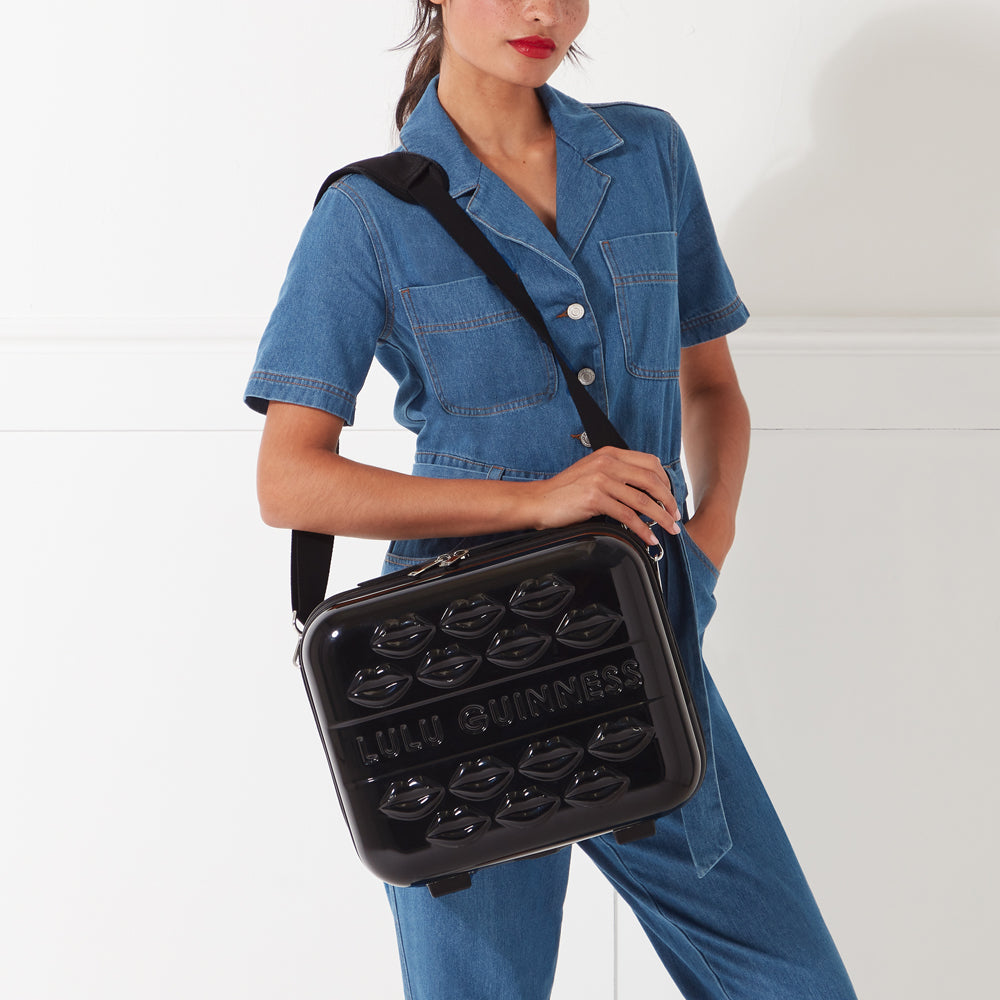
(534, 46)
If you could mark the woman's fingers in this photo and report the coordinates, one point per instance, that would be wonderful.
(650, 511)
(643, 511)
(631, 487)
(650, 491)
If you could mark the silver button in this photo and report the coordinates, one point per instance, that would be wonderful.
(576, 311)
(585, 440)
(586, 376)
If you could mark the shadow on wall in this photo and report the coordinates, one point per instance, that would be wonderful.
(896, 208)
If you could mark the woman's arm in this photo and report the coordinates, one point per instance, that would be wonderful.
(303, 483)
(716, 431)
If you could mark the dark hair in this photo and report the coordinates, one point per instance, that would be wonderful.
(427, 37)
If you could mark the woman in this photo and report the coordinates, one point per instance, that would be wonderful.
(600, 212)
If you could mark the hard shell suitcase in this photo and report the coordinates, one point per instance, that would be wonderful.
(502, 701)
(505, 700)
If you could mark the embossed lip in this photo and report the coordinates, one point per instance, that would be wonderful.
(471, 617)
(542, 598)
(411, 798)
(589, 627)
(449, 667)
(550, 759)
(534, 46)
(591, 788)
(622, 739)
(457, 826)
(402, 637)
(378, 687)
(481, 779)
(517, 648)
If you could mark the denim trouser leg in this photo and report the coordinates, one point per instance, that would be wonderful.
(748, 929)
(494, 941)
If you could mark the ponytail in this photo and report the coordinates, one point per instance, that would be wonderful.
(427, 37)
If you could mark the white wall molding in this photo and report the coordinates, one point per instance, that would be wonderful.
(100, 335)
(770, 335)
(187, 373)
(898, 336)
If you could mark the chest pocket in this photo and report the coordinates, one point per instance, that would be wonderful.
(482, 356)
(644, 271)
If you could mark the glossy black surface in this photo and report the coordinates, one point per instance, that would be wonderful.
(501, 711)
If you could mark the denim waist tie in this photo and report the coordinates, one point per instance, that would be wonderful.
(704, 818)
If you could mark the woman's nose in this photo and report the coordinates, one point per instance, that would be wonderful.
(542, 11)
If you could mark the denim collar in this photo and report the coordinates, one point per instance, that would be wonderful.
(582, 136)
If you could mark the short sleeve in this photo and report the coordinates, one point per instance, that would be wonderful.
(321, 338)
(707, 299)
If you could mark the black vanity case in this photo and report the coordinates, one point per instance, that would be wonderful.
(502, 701)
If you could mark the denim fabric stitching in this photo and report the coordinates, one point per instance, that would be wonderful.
(521, 403)
(357, 200)
(618, 139)
(707, 318)
(709, 565)
(306, 383)
(491, 319)
(444, 454)
(402, 948)
(621, 280)
(472, 463)
(640, 889)
(473, 411)
(650, 278)
(403, 561)
(483, 411)
(674, 141)
(522, 243)
(597, 207)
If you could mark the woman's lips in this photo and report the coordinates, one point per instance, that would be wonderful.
(534, 47)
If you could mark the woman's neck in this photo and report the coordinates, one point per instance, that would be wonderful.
(506, 127)
(496, 120)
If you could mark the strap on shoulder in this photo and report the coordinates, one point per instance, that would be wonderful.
(419, 180)
(396, 172)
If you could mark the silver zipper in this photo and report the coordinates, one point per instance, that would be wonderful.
(443, 560)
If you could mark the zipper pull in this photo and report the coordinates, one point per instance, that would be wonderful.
(442, 561)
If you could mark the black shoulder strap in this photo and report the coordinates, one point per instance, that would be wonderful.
(419, 180)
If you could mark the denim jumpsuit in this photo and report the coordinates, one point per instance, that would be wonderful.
(634, 274)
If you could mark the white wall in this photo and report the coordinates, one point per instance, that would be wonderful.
(168, 826)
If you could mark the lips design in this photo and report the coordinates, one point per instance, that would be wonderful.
(448, 668)
(411, 798)
(547, 760)
(526, 806)
(591, 788)
(588, 627)
(542, 597)
(480, 779)
(457, 827)
(517, 648)
(400, 637)
(378, 687)
(622, 739)
(469, 618)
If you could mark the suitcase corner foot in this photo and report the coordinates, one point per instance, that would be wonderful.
(453, 883)
(635, 831)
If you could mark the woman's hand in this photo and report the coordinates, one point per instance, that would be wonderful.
(621, 484)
